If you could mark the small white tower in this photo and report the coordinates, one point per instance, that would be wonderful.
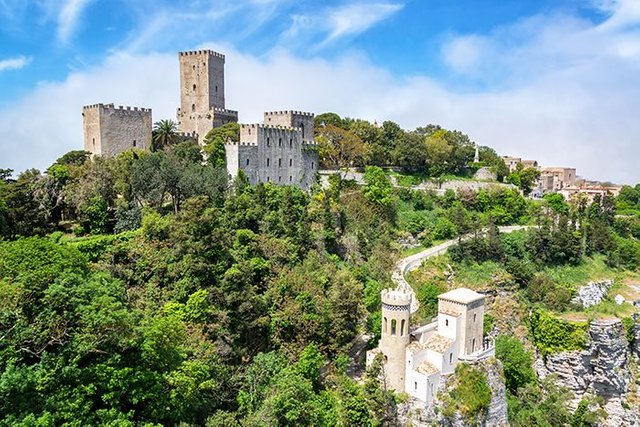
(395, 337)
(476, 158)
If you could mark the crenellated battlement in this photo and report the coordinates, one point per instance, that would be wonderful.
(394, 297)
(292, 112)
(224, 111)
(263, 126)
(113, 107)
(202, 52)
(242, 144)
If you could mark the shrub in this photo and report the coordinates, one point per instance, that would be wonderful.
(471, 395)
(517, 362)
(554, 335)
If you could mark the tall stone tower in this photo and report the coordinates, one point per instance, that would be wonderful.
(109, 130)
(395, 337)
(202, 103)
(461, 318)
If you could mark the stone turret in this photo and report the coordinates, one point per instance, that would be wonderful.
(395, 337)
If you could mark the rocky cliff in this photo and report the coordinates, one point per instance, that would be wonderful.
(496, 414)
(605, 369)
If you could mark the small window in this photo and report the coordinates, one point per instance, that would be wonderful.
(290, 162)
(194, 67)
(446, 322)
(194, 87)
(247, 162)
(268, 161)
(204, 64)
(268, 142)
(385, 325)
(94, 142)
(279, 179)
(393, 326)
(279, 163)
(290, 178)
(134, 142)
(402, 328)
(216, 89)
(474, 318)
(415, 386)
(193, 107)
(313, 165)
(450, 358)
(290, 142)
(268, 179)
(279, 142)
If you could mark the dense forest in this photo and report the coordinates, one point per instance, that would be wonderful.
(150, 289)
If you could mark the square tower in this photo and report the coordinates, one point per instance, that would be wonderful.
(295, 119)
(202, 103)
(108, 131)
(461, 318)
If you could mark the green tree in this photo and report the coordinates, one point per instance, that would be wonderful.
(378, 188)
(215, 140)
(164, 134)
(517, 363)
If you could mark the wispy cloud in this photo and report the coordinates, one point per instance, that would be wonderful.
(339, 22)
(14, 63)
(68, 18)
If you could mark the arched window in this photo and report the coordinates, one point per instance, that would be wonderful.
(393, 326)
(402, 327)
(385, 325)
(194, 87)
(247, 162)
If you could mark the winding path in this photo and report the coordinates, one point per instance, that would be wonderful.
(412, 262)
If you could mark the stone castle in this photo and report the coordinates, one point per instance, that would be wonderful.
(281, 150)
(416, 359)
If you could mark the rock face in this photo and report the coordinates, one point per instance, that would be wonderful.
(496, 414)
(601, 370)
(593, 293)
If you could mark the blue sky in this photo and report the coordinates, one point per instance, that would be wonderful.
(554, 80)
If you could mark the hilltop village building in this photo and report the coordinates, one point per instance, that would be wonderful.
(281, 150)
(416, 360)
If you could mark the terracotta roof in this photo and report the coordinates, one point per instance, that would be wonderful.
(438, 343)
(416, 347)
(426, 368)
(462, 295)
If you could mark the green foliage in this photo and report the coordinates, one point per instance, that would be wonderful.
(471, 395)
(377, 189)
(544, 405)
(552, 334)
(517, 363)
(215, 140)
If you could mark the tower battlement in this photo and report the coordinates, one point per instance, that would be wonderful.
(113, 107)
(202, 52)
(395, 297)
(286, 112)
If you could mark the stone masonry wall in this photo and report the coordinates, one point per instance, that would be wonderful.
(110, 130)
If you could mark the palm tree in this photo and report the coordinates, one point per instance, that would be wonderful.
(165, 133)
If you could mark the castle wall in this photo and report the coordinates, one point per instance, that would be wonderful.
(110, 130)
(274, 154)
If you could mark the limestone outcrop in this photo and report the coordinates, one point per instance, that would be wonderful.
(496, 415)
(593, 293)
(602, 370)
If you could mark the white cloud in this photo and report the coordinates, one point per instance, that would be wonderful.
(68, 17)
(568, 94)
(334, 23)
(14, 63)
(462, 54)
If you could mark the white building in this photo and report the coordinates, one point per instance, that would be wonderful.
(416, 360)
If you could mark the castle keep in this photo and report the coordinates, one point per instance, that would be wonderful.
(109, 131)
(415, 360)
(281, 150)
(202, 104)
